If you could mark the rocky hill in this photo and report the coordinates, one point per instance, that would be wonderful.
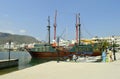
(5, 37)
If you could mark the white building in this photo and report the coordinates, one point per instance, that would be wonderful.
(11, 46)
(111, 39)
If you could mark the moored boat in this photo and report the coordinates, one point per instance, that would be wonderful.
(47, 51)
(86, 50)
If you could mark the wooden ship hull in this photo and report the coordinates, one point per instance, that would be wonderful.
(60, 54)
(47, 51)
(86, 50)
(51, 55)
(44, 51)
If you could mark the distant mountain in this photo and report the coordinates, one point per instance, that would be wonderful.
(5, 37)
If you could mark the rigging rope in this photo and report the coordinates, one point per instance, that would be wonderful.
(91, 35)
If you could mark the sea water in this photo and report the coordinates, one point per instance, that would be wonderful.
(25, 60)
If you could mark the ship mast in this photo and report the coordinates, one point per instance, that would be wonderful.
(55, 25)
(76, 28)
(79, 26)
(48, 30)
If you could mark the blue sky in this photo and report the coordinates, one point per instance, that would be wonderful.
(29, 17)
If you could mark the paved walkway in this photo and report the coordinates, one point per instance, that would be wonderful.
(68, 70)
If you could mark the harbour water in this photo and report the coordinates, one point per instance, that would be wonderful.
(25, 60)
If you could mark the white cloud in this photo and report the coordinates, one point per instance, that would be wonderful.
(7, 31)
(22, 31)
(38, 38)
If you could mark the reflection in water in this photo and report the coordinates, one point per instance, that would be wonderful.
(25, 61)
(8, 70)
(35, 61)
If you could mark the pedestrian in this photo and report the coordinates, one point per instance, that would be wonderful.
(110, 55)
(107, 56)
(74, 57)
(104, 56)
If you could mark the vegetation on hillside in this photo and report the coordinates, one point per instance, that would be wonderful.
(5, 37)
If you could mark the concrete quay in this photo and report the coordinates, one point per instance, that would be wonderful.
(68, 70)
(8, 63)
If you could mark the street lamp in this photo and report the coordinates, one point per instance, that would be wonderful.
(9, 49)
(58, 40)
(113, 46)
